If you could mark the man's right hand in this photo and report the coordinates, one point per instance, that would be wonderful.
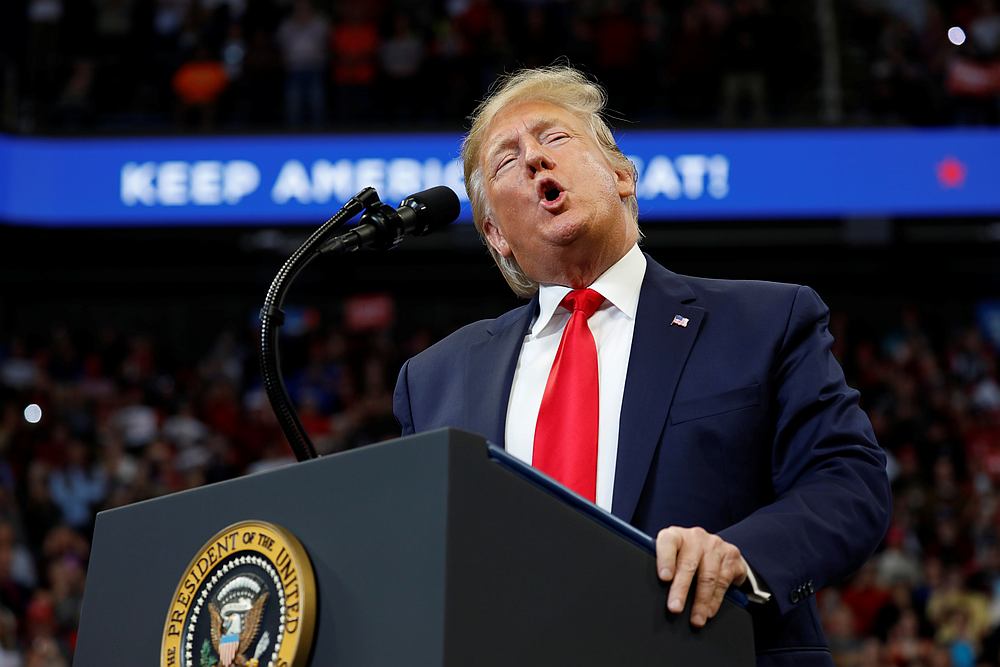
(682, 554)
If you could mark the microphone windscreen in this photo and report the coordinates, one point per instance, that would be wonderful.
(435, 207)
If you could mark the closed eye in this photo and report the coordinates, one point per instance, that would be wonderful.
(505, 161)
(556, 137)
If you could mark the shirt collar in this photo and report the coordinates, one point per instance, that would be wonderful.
(620, 285)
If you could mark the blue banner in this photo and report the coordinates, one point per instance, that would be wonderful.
(682, 175)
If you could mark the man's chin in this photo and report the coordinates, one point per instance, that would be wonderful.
(565, 229)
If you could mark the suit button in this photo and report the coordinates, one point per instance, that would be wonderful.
(795, 596)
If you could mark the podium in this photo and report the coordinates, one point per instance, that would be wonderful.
(436, 549)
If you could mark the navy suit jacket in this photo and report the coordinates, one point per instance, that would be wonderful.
(741, 423)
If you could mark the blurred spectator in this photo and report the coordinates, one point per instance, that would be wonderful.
(220, 408)
(135, 420)
(44, 22)
(905, 646)
(864, 597)
(302, 40)
(224, 360)
(20, 563)
(898, 603)
(984, 30)
(41, 514)
(986, 394)
(14, 594)
(402, 57)
(234, 54)
(840, 627)
(354, 46)
(45, 648)
(455, 72)
(975, 91)
(959, 613)
(74, 108)
(121, 471)
(10, 654)
(263, 81)
(896, 565)
(18, 371)
(535, 42)
(745, 46)
(78, 486)
(617, 40)
(113, 34)
(168, 17)
(234, 51)
(654, 49)
(66, 578)
(199, 84)
(184, 429)
(696, 60)
(579, 39)
(900, 74)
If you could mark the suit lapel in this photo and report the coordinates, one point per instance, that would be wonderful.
(490, 372)
(659, 351)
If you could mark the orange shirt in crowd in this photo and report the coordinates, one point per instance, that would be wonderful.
(355, 48)
(200, 81)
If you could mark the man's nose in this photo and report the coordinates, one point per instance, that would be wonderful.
(537, 158)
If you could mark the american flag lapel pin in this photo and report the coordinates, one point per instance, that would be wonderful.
(680, 321)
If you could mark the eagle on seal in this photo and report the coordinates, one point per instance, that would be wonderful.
(246, 635)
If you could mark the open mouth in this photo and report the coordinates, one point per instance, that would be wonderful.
(550, 192)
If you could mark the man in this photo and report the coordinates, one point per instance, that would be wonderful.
(709, 413)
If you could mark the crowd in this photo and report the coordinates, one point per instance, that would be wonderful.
(123, 417)
(133, 65)
(931, 596)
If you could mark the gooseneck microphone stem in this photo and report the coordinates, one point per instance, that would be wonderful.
(272, 317)
(381, 227)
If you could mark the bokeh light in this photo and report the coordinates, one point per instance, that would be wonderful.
(33, 413)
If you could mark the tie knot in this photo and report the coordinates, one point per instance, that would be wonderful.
(585, 300)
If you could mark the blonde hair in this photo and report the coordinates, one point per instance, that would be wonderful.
(565, 87)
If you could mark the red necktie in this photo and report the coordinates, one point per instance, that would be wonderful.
(566, 432)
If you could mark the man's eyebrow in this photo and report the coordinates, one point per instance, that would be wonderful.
(509, 139)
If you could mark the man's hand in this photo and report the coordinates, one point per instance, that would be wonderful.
(682, 553)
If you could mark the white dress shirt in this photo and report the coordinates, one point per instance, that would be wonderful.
(612, 326)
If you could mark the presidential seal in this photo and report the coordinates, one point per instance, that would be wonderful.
(248, 598)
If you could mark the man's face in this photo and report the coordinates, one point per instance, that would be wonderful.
(555, 201)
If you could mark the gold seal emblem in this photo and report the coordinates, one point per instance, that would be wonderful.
(248, 598)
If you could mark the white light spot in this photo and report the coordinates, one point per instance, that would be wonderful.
(956, 35)
(33, 414)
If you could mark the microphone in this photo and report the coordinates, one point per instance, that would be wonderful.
(382, 227)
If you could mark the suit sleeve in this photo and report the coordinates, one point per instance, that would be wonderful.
(832, 502)
(401, 401)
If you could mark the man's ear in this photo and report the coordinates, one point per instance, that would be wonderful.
(625, 179)
(495, 238)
